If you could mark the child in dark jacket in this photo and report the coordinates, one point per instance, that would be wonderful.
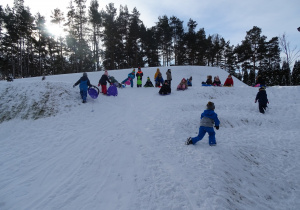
(208, 119)
(84, 83)
(216, 81)
(148, 83)
(102, 82)
(262, 99)
(165, 89)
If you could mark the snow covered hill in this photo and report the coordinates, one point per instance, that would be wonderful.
(128, 152)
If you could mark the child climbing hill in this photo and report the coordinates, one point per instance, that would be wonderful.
(208, 119)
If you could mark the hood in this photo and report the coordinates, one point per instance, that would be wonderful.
(208, 113)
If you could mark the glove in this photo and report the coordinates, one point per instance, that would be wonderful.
(217, 127)
(73, 86)
(98, 84)
(255, 101)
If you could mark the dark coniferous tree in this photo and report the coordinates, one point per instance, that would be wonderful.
(296, 74)
(95, 20)
(164, 31)
(191, 37)
(111, 38)
(201, 43)
(177, 40)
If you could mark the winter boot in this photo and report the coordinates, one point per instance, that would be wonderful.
(189, 141)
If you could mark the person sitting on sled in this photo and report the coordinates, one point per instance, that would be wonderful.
(182, 85)
(165, 89)
(207, 121)
(208, 80)
(148, 83)
(102, 82)
(216, 81)
(84, 83)
(228, 81)
(262, 99)
(159, 80)
(189, 81)
(130, 77)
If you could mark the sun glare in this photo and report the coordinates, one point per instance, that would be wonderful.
(55, 30)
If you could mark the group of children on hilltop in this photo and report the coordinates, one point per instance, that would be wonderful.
(208, 120)
(228, 82)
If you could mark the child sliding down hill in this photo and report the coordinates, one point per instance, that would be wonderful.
(165, 89)
(182, 85)
(208, 119)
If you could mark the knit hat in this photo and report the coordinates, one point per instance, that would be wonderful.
(133, 70)
(148, 78)
(210, 105)
(85, 74)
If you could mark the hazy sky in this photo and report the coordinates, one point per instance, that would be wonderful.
(228, 18)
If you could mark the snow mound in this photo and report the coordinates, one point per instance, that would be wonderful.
(35, 100)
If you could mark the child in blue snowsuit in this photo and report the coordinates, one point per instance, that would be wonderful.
(84, 84)
(131, 76)
(208, 119)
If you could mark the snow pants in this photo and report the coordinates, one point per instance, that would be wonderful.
(202, 132)
(131, 81)
(262, 107)
(83, 94)
(104, 89)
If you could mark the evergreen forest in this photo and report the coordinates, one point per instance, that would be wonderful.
(108, 38)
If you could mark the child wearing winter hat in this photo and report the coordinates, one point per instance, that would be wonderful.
(216, 81)
(208, 119)
(262, 99)
(139, 76)
(130, 77)
(148, 83)
(104, 78)
(165, 89)
(156, 73)
(84, 83)
(228, 81)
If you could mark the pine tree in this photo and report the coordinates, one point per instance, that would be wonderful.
(95, 20)
(296, 74)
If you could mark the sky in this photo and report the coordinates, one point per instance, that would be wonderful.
(128, 152)
(229, 18)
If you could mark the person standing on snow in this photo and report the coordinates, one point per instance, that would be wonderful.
(169, 76)
(262, 99)
(84, 84)
(156, 73)
(139, 76)
(208, 119)
(102, 82)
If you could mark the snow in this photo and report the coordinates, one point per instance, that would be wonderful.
(128, 151)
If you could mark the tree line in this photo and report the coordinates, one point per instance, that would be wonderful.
(97, 39)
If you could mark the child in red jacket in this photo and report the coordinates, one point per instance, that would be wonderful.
(229, 81)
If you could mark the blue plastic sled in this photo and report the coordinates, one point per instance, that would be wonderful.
(112, 90)
(93, 92)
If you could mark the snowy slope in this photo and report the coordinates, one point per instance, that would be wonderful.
(128, 152)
